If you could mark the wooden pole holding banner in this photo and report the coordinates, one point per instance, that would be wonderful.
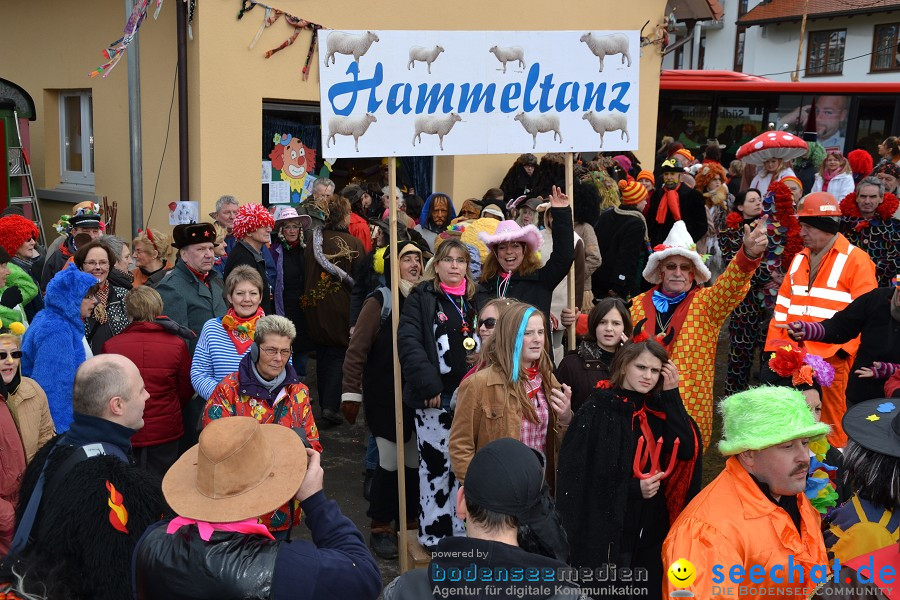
(398, 389)
(570, 192)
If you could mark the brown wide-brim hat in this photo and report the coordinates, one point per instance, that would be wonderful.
(239, 470)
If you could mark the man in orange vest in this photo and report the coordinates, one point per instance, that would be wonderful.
(752, 532)
(823, 279)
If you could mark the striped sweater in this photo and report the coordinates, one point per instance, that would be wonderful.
(215, 358)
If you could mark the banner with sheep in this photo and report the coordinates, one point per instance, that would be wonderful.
(424, 93)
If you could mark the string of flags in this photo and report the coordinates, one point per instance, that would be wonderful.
(115, 51)
(271, 16)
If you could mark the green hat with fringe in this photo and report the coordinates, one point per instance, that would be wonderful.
(766, 416)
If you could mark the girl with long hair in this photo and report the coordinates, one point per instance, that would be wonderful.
(617, 490)
(835, 176)
(608, 327)
(516, 394)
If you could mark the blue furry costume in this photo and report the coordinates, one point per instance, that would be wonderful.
(52, 348)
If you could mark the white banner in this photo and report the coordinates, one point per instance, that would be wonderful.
(424, 93)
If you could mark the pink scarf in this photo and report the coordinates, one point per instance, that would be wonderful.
(247, 526)
(827, 176)
(457, 290)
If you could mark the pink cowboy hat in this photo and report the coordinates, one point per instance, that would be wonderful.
(510, 231)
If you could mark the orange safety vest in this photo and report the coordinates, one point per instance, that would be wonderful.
(845, 273)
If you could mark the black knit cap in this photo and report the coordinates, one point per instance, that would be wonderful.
(826, 224)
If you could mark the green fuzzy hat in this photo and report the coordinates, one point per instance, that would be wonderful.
(766, 416)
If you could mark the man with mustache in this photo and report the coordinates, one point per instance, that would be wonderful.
(674, 201)
(754, 516)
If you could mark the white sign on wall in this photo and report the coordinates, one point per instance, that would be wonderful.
(424, 93)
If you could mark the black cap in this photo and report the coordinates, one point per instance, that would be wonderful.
(875, 425)
(826, 224)
(193, 233)
(86, 220)
(506, 476)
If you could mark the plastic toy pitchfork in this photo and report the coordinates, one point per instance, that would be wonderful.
(652, 453)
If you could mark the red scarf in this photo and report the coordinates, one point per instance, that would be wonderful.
(669, 201)
(203, 277)
(241, 329)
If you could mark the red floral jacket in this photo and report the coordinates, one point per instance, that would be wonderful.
(241, 395)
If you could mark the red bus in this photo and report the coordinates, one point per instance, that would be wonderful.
(734, 107)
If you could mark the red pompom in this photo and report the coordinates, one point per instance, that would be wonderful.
(860, 162)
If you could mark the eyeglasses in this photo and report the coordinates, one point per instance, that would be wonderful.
(449, 260)
(15, 354)
(489, 323)
(273, 352)
(686, 268)
(96, 263)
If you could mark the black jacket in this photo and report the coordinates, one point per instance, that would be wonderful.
(693, 213)
(537, 289)
(869, 316)
(461, 553)
(336, 564)
(622, 238)
(417, 347)
(241, 254)
(76, 551)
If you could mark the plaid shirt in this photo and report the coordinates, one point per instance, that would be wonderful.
(534, 435)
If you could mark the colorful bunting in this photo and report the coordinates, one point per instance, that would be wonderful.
(271, 16)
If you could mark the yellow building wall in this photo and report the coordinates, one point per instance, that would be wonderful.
(52, 45)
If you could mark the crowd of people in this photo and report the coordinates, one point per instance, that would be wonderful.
(159, 438)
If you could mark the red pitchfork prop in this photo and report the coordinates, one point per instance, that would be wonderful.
(652, 453)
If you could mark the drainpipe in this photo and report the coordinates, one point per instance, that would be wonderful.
(181, 37)
(695, 45)
(134, 128)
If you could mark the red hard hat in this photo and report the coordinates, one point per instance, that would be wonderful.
(818, 204)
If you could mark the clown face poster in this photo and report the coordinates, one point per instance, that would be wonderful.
(293, 163)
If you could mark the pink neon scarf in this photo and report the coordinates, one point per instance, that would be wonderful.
(457, 290)
(248, 526)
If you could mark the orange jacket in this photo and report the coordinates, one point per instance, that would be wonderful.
(845, 274)
(730, 522)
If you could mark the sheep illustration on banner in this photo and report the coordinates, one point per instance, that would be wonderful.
(478, 92)
(540, 124)
(340, 42)
(505, 55)
(425, 55)
(608, 122)
(293, 162)
(607, 45)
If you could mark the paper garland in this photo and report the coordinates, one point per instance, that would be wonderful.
(116, 50)
(270, 17)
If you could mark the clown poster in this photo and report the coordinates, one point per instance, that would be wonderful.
(294, 163)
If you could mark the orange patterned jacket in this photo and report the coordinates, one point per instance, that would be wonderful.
(693, 350)
(238, 396)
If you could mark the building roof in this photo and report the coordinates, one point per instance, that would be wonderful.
(780, 11)
(695, 10)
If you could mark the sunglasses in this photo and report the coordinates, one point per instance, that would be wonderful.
(684, 268)
(489, 323)
(14, 354)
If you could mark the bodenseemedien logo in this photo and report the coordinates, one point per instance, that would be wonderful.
(681, 575)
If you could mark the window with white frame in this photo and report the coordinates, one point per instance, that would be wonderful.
(76, 138)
